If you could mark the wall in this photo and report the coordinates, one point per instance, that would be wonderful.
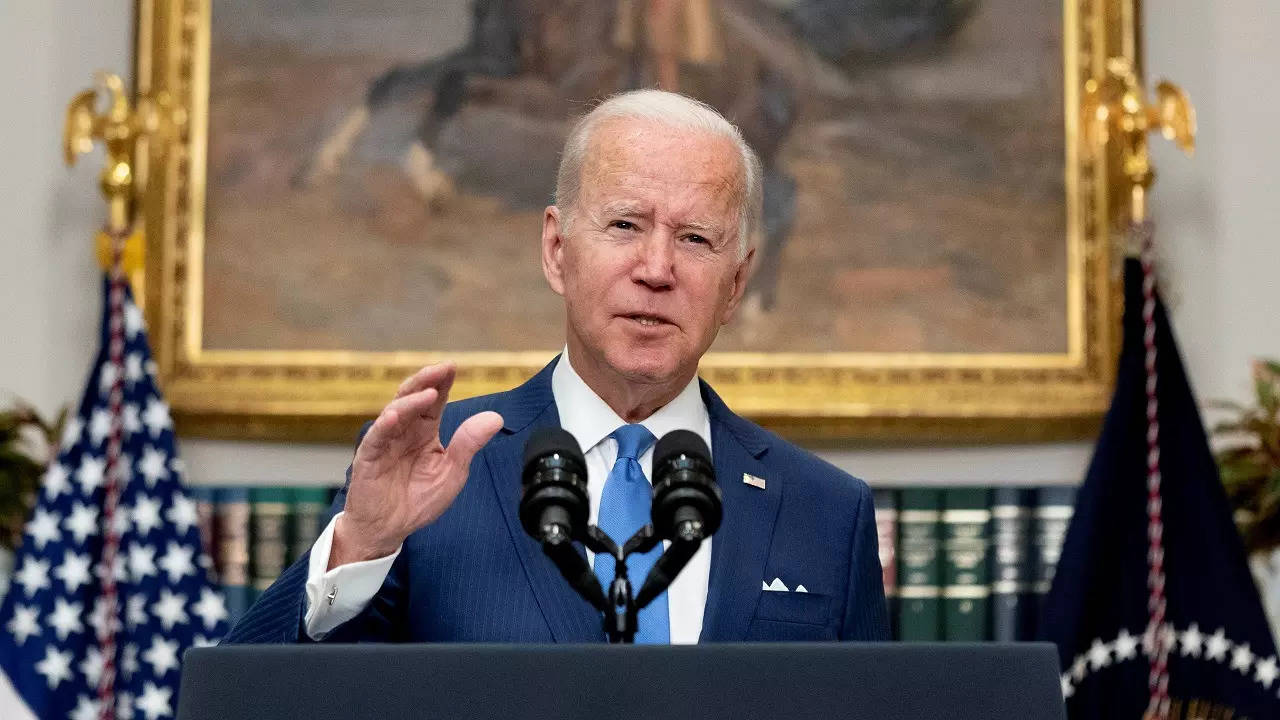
(1217, 215)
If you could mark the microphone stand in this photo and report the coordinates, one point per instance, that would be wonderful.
(620, 608)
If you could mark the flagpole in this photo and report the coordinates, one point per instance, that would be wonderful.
(120, 251)
(1117, 113)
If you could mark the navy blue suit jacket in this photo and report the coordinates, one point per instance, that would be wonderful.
(475, 576)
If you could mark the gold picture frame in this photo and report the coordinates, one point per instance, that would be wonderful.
(817, 397)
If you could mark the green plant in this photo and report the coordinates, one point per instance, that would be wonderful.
(27, 444)
(1249, 460)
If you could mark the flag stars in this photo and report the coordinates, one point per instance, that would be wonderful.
(1126, 646)
(91, 473)
(1266, 671)
(56, 481)
(71, 433)
(65, 618)
(1079, 668)
(170, 609)
(1192, 641)
(136, 611)
(132, 320)
(142, 561)
(24, 623)
(107, 379)
(33, 576)
(1215, 648)
(154, 702)
(86, 709)
(152, 466)
(133, 371)
(162, 655)
(99, 425)
(211, 608)
(74, 571)
(82, 522)
(1099, 655)
(130, 421)
(156, 416)
(182, 514)
(124, 706)
(1242, 658)
(100, 616)
(43, 528)
(129, 660)
(176, 562)
(55, 667)
(146, 514)
(92, 665)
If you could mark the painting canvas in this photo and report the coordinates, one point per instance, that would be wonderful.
(377, 169)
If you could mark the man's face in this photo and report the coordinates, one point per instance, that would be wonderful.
(649, 265)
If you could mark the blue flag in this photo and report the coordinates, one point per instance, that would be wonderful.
(55, 617)
(1221, 659)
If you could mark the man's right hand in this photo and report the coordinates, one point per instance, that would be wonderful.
(402, 477)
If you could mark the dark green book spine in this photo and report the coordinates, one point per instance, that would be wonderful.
(966, 590)
(309, 506)
(1054, 508)
(268, 535)
(886, 538)
(231, 520)
(1013, 604)
(919, 565)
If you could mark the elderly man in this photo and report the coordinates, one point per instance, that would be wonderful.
(649, 245)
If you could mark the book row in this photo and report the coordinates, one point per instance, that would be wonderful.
(254, 533)
(964, 564)
(970, 563)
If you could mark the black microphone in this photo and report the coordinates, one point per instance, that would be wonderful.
(687, 506)
(554, 502)
(687, 503)
(554, 507)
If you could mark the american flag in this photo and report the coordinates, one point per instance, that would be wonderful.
(110, 585)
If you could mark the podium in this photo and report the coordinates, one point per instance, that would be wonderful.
(887, 681)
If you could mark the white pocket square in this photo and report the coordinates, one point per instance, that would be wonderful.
(778, 586)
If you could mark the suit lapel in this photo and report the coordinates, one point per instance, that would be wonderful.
(528, 407)
(740, 548)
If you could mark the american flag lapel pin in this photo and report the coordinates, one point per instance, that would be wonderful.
(753, 481)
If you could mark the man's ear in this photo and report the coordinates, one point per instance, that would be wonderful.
(553, 248)
(740, 278)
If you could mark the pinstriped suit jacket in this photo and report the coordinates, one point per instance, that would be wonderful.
(475, 576)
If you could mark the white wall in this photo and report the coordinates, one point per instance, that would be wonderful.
(1217, 213)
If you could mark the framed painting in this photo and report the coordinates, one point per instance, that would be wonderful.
(355, 189)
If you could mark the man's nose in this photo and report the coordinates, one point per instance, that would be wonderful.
(655, 260)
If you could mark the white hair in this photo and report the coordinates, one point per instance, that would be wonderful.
(676, 111)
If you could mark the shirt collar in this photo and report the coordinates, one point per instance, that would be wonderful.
(589, 419)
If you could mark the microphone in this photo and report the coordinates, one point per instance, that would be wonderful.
(687, 503)
(554, 507)
(687, 506)
(554, 503)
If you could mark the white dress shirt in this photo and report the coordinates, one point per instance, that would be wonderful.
(338, 595)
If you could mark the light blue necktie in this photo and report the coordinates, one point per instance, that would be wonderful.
(624, 509)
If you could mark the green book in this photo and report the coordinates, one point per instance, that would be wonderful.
(919, 565)
(310, 505)
(268, 535)
(966, 591)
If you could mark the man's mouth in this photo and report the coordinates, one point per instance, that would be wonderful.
(647, 320)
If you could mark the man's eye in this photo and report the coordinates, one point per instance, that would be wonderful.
(623, 225)
(698, 239)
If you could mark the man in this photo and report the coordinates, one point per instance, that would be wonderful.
(648, 243)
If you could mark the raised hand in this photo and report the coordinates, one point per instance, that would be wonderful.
(402, 477)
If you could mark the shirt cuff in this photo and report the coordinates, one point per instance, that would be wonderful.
(340, 594)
